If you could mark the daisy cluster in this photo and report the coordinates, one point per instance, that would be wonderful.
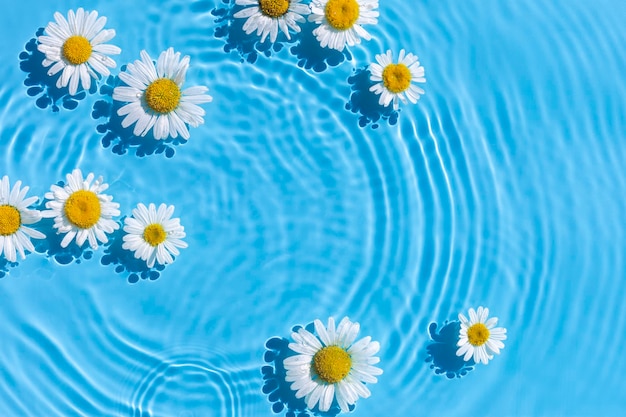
(82, 212)
(328, 365)
(339, 23)
(76, 50)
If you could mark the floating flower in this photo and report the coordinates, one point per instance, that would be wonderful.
(77, 46)
(153, 235)
(394, 81)
(479, 338)
(156, 99)
(341, 21)
(267, 16)
(81, 210)
(14, 214)
(331, 365)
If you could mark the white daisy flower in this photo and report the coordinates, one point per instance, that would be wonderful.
(77, 46)
(267, 16)
(341, 21)
(394, 81)
(153, 235)
(81, 210)
(331, 365)
(479, 338)
(14, 214)
(156, 99)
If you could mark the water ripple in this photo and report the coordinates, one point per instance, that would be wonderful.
(302, 198)
(185, 384)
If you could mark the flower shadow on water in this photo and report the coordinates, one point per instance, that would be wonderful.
(51, 245)
(365, 103)
(442, 351)
(124, 260)
(230, 29)
(121, 139)
(43, 86)
(5, 265)
(279, 391)
(311, 55)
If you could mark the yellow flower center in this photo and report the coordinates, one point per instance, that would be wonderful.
(76, 50)
(162, 95)
(10, 220)
(154, 234)
(332, 364)
(341, 14)
(478, 334)
(396, 77)
(82, 209)
(274, 8)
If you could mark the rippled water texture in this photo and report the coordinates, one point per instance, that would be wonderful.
(302, 199)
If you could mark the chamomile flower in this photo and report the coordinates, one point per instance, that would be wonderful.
(77, 46)
(340, 21)
(156, 100)
(479, 338)
(395, 81)
(14, 215)
(267, 16)
(81, 211)
(153, 235)
(332, 366)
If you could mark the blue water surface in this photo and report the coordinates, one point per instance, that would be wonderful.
(302, 199)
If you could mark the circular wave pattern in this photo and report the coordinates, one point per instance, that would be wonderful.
(301, 199)
(186, 386)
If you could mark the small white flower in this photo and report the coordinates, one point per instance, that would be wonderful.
(267, 16)
(81, 210)
(14, 214)
(332, 365)
(156, 99)
(341, 21)
(479, 338)
(394, 81)
(77, 46)
(153, 235)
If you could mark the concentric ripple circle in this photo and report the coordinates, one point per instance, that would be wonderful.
(186, 385)
(302, 198)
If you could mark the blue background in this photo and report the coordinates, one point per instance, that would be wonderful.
(302, 199)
